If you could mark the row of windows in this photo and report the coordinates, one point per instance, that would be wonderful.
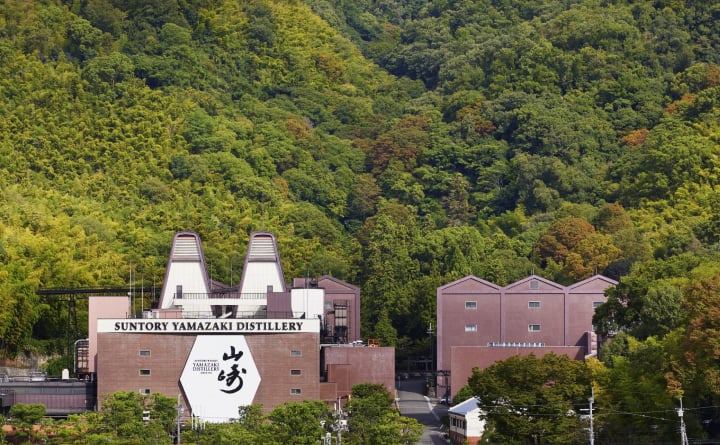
(293, 391)
(146, 353)
(459, 423)
(293, 353)
(531, 328)
(145, 372)
(531, 304)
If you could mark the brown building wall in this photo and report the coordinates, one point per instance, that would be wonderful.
(464, 359)
(503, 315)
(348, 366)
(339, 375)
(103, 307)
(120, 362)
(339, 292)
(328, 392)
(581, 299)
(550, 317)
(454, 315)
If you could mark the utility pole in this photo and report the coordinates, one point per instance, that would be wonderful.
(433, 382)
(683, 434)
(179, 413)
(591, 400)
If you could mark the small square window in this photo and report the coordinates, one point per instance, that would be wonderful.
(295, 391)
(534, 284)
(145, 391)
(144, 372)
(470, 328)
(533, 304)
(295, 372)
(471, 305)
(295, 353)
(144, 353)
(534, 327)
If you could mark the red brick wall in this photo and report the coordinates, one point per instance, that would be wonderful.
(348, 366)
(119, 364)
(464, 359)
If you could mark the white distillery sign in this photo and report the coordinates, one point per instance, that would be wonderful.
(207, 326)
(219, 376)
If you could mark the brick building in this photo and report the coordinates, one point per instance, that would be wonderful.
(479, 323)
(217, 347)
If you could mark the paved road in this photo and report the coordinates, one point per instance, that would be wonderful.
(413, 403)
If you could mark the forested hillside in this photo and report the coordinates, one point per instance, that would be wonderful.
(397, 145)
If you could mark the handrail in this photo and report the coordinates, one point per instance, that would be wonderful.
(221, 295)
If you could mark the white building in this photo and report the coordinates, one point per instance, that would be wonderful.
(466, 427)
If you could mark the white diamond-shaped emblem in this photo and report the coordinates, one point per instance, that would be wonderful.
(219, 376)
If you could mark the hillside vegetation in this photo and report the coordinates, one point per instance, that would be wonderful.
(397, 145)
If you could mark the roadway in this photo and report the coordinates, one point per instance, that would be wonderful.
(412, 402)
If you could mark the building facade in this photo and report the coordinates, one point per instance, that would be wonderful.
(479, 322)
(465, 425)
(218, 347)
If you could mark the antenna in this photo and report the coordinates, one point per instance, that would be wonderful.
(262, 216)
(130, 290)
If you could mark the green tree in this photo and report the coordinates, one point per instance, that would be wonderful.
(299, 423)
(648, 300)
(633, 384)
(26, 417)
(373, 420)
(529, 400)
(387, 265)
(122, 417)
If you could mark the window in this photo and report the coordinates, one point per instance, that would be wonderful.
(144, 353)
(144, 372)
(470, 328)
(534, 327)
(295, 372)
(534, 284)
(295, 391)
(145, 391)
(295, 353)
(471, 305)
(533, 304)
(596, 304)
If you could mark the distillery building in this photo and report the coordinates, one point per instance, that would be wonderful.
(217, 347)
(479, 323)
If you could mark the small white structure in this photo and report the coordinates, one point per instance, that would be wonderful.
(465, 424)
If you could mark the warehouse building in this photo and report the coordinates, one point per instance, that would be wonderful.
(479, 323)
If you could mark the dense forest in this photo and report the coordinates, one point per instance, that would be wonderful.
(395, 144)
